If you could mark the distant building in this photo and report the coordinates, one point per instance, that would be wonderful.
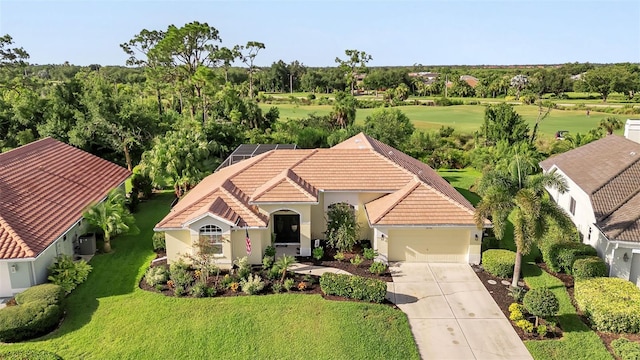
(472, 81)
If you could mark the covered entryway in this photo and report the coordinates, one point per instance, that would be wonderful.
(429, 245)
(286, 228)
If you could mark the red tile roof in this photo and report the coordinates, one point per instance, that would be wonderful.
(44, 188)
(357, 164)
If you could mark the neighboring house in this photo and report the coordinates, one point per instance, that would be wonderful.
(604, 199)
(44, 188)
(407, 211)
(632, 130)
(427, 77)
(472, 81)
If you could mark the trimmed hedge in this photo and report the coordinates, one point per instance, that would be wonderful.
(588, 267)
(499, 262)
(38, 311)
(353, 287)
(626, 349)
(560, 257)
(541, 302)
(612, 304)
(29, 355)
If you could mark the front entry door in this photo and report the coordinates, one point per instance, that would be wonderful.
(287, 228)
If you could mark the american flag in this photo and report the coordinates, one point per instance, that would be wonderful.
(248, 240)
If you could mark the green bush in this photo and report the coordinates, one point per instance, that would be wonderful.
(542, 330)
(342, 227)
(159, 241)
(270, 251)
(517, 293)
(626, 349)
(141, 183)
(560, 257)
(489, 242)
(252, 285)
(26, 354)
(369, 253)
(180, 275)
(38, 311)
(541, 302)
(67, 273)
(612, 304)
(318, 253)
(199, 290)
(356, 260)
(588, 267)
(156, 275)
(354, 287)
(525, 325)
(499, 262)
(378, 268)
(288, 284)
(267, 262)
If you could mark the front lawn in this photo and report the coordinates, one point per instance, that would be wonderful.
(109, 317)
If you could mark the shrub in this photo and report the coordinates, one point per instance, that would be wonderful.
(67, 273)
(159, 241)
(244, 268)
(270, 251)
(199, 290)
(342, 227)
(356, 260)
(541, 302)
(318, 253)
(516, 315)
(354, 287)
(517, 293)
(141, 183)
(489, 242)
(37, 312)
(369, 254)
(276, 287)
(378, 268)
(179, 290)
(625, 349)
(274, 273)
(339, 256)
(180, 276)
(288, 284)
(560, 257)
(267, 262)
(589, 266)
(26, 354)
(499, 262)
(311, 96)
(525, 325)
(156, 275)
(612, 304)
(516, 306)
(252, 285)
(542, 330)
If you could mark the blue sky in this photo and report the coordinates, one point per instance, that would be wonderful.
(315, 32)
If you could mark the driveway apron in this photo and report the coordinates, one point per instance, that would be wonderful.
(452, 315)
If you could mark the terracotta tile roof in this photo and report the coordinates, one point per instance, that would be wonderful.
(358, 164)
(417, 204)
(44, 188)
(608, 170)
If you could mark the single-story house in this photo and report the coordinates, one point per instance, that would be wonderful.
(44, 188)
(405, 209)
(604, 199)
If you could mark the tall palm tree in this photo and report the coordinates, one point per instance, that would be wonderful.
(523, 196)
(112, 217)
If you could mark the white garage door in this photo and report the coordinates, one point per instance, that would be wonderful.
(432, 245)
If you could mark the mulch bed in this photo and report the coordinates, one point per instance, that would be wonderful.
(346, 265)
(500, 294)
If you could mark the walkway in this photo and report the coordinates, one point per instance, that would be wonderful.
(315, 270)
(452, 316)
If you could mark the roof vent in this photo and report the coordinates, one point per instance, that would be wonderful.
(633, 153)
(357, 140)
(390, 152)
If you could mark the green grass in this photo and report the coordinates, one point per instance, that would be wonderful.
(579, 341)
(462, 180)
(464, 118)
(109, 317)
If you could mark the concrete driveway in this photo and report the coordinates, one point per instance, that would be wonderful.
(452, 315)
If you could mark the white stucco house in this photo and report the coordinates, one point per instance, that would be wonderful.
(604, 199)
(44, 188)
(405, 209)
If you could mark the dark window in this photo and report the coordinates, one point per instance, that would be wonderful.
(572, 206)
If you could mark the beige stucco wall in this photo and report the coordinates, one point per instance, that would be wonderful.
(260, 239)
(318, 218)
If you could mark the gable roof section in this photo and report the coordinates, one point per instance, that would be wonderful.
(417, 204)
(293, 176)
(44, 188)
(608, 170)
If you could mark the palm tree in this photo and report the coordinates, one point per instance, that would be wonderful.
(523, 197)
(610, 124)
(284, 263)
(112, 217)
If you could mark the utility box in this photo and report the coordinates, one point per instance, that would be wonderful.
(87, 244)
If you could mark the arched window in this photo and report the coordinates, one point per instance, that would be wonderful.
(213, 234)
